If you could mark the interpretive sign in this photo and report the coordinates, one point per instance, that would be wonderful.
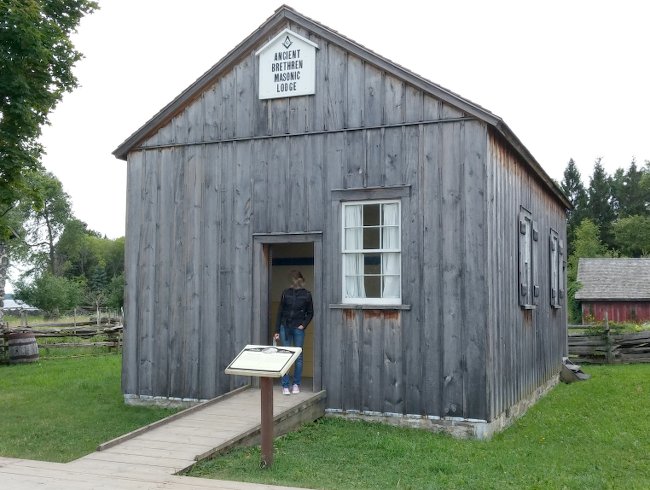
(264, 361)
(267, 362)
(287, 66)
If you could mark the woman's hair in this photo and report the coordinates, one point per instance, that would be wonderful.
(296, 278)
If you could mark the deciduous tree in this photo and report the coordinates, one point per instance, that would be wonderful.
(36, 61)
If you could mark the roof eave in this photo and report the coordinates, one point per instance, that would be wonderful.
(615, 300)
(519, 147)
(195, 89)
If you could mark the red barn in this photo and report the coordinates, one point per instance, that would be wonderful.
(620, 287)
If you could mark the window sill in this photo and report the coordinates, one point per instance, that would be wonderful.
(354, 306)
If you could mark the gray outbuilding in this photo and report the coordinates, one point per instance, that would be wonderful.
(431, 239)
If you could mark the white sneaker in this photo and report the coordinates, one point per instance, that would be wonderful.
(285, 391)
(295, 390)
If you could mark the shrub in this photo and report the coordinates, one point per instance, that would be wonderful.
(51, 293)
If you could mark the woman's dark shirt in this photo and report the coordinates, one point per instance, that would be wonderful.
(296, 308)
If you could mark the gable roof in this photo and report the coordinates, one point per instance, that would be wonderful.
(286, 13)
(614, 279)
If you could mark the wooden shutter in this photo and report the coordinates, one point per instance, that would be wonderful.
(535, 263)
(522, 285)
(561, 274)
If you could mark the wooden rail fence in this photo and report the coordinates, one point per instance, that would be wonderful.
(605, 347)
(65, 335)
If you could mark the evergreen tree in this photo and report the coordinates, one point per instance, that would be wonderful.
(630, 198)
(574, 189)
(600, 209)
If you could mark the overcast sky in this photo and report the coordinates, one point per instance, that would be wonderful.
(570, 78)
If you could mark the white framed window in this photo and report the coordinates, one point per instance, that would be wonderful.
(528, 263)
(371, 247)
(556, 260)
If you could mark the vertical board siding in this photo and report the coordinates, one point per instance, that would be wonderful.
(451, 259)
(381, 363)
(526, 346)
(350, 94)
(133, 205)
(209, 277)
(163, 251)
(461, 348)
(146, 278)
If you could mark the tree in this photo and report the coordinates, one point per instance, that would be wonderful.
(645, 186)
(51, 293)
(98, 261)
(45, 220)
(36, 61)
(599, 209)
(630, 197)
(632, 235)
(574, 189)
(587, 244)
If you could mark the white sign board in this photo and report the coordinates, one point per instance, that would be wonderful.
(264, 360)
(287, 66)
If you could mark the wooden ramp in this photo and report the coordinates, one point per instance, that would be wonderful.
(151, 456)
(22, 474)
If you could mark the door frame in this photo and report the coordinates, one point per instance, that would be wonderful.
(262, 243)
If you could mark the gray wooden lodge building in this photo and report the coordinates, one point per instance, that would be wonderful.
(431, 239)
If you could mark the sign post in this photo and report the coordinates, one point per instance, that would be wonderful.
(266, 362)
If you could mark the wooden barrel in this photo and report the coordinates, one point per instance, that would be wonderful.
(22, 347)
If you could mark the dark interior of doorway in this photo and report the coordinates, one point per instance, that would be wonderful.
(286, 257)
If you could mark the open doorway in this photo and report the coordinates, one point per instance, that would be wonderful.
(285, 257)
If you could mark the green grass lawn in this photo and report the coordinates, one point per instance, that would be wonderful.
(61, 409)
(589, 435)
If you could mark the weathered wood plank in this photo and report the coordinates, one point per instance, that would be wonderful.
(131, 247)
(394, 161)
(394, 98)
(392, 379)
(355, 92)
(355, 159)
(315, 183)
(414, 322)
(228, 105)
(474, 323)
(294, 186)
(414, 104)
(432, 108)
(245, 96)
(372, 359)
(336, 87)
(146, 274)
(278, 176)
(452, 262)
(373, 99)
(241, 240)
(213, 111)
(176, 334)
(374, 171)
(351, 384)
(162, 300)
(209, 277)
(334, 147)
(432, 333)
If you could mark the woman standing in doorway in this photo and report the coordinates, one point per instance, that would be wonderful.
(295, 312)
